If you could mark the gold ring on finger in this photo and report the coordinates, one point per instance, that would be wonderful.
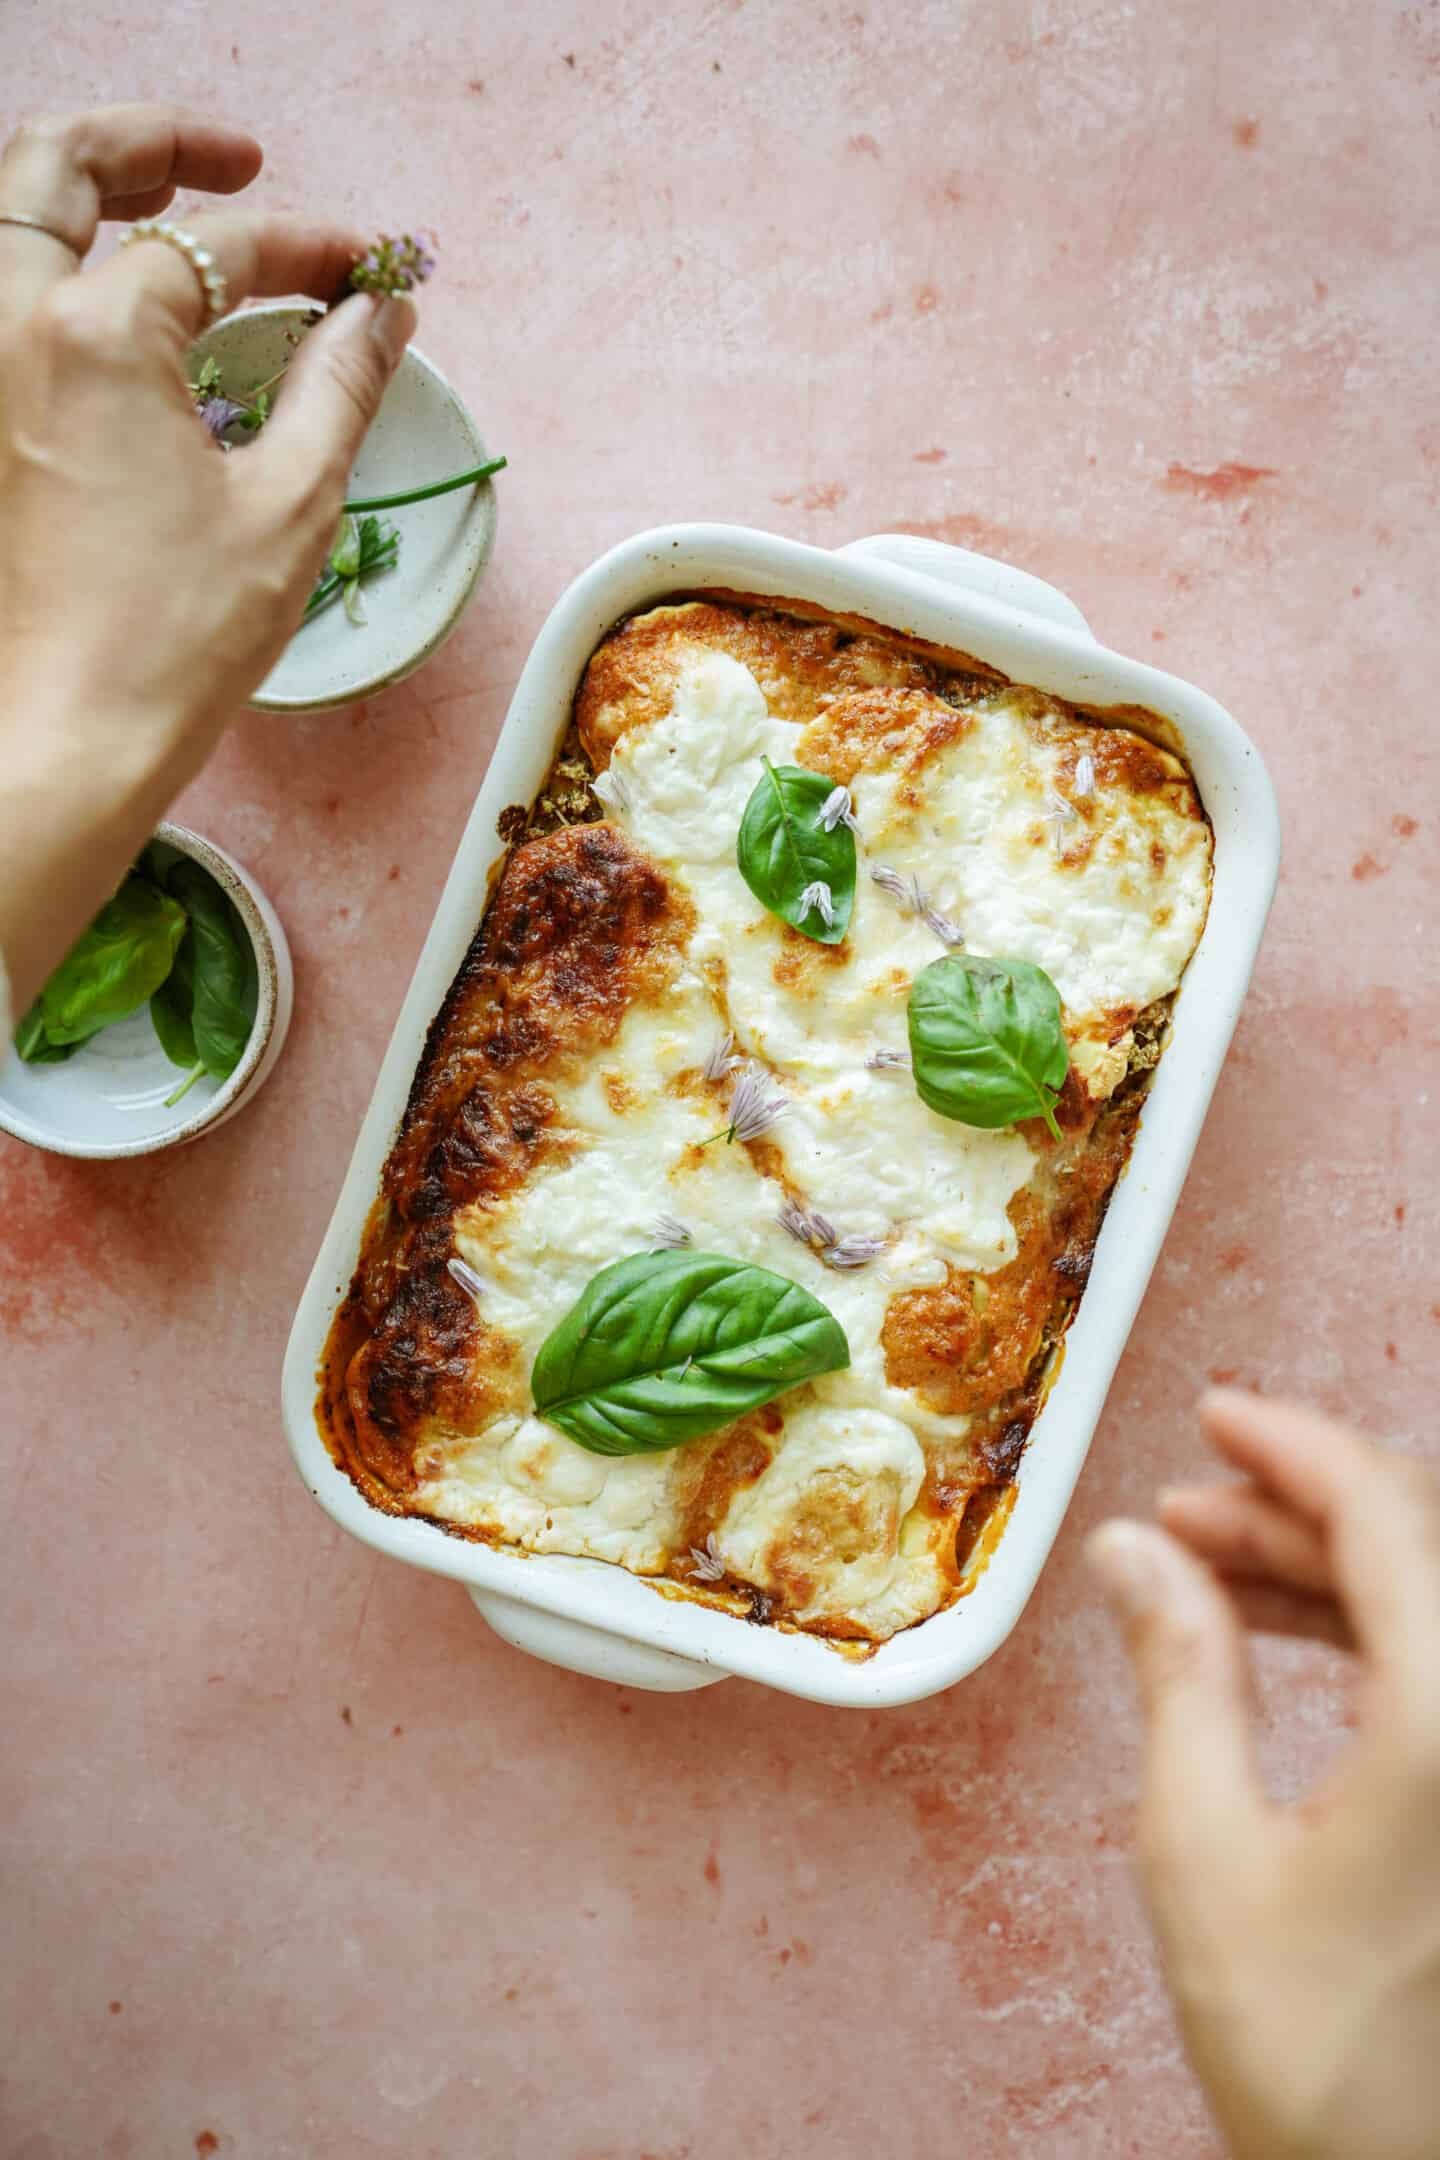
(35, 224)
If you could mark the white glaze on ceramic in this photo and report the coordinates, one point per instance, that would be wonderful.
(108, 1100)
(564, 1609)
(421, 433)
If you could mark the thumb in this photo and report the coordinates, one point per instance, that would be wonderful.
(333, 388)
(1201, 1788)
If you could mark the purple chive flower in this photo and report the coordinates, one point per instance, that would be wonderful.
(395, 266)
(721, 1060)
(810, 1228)
(752, 1111)
(853, 1251)
(706, 1564)
(948, 932)
(796, 1221)
(1058, 814)
(461, 1272)
(839, 808)
(818, 899)
(218, 413)
(907, 891)
(667, 1234)
(913, 898)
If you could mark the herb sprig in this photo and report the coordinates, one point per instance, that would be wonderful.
(360, 550)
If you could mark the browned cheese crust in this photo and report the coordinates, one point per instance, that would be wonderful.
(580, 926)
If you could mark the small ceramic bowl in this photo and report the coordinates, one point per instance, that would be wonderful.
(109, 1099)
(421, 433)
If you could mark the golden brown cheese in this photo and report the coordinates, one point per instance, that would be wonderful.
(561, 1091)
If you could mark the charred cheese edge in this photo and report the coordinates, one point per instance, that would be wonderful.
(562, 1101)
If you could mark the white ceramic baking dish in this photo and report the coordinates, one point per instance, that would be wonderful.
(596, 1618)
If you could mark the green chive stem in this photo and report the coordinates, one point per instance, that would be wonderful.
(423, 494)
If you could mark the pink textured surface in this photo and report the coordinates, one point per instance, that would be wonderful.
(302, 1862)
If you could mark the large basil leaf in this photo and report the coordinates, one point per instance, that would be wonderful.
(986, 1041)
(222, 971)
(35, 1046)
(669, 1345)
(172, 1008)
(787, 858)
(116, 965)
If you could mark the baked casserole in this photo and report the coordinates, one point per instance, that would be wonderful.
(643, 1067)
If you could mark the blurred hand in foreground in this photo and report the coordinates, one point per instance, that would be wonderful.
(1302, 1945)
(147, 582)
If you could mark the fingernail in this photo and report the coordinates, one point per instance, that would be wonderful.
(392, 324)
(1123, 1556)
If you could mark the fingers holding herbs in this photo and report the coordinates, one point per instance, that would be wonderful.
(260, 256)
(308, 410)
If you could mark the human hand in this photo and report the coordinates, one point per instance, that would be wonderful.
(1302, 1945)
(147, 582)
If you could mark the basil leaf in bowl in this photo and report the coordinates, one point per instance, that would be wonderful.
(665, 1347)
(986, 1042)
(35, 1046)
(172, 1009)
(117, 963)
(797, 868)
(221, 975)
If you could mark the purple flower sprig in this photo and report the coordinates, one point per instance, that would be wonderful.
(219, 413)
(395, 266)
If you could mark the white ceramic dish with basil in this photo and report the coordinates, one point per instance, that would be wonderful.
(144, 1082)
(599, 1619)
(421, 434)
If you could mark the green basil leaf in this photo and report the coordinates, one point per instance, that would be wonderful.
(172, 1008)
(986, 1041)
(666, 1346)
(786, 857)
(222, 970)
(148, 864)
(118, 963)
(35, 1046)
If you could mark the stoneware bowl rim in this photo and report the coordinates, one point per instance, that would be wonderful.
(474, 548)
(237, 885)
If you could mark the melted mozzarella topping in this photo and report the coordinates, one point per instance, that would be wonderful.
(826, 1522)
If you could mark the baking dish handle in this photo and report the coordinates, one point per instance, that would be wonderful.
(591, 1650)
(975, 573)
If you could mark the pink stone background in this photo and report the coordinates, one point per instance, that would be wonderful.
(301, 1862)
